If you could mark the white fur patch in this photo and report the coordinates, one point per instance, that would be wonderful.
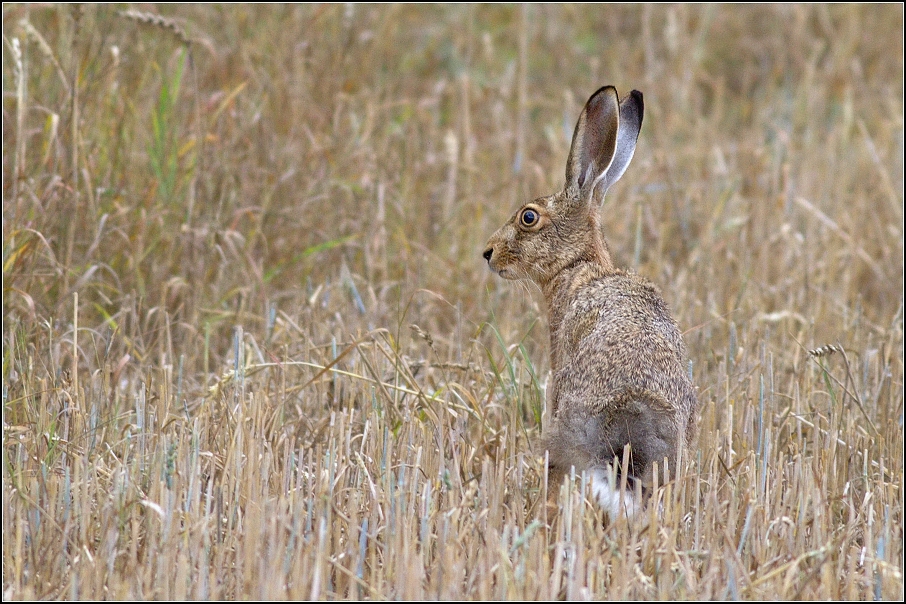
(606, 493)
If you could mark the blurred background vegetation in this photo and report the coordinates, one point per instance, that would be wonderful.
(237, 159)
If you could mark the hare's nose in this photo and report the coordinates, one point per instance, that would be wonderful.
(488, 253)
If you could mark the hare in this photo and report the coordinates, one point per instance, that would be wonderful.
(618, 362)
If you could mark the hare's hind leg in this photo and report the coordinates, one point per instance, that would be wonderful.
(617, 446)
(634, 440)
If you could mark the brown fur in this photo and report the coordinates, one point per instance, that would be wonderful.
(618, 361)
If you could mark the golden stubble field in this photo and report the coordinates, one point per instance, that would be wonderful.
(251, 349)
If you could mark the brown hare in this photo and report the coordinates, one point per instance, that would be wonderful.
(618, 362)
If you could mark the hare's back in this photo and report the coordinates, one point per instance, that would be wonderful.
(620, 335)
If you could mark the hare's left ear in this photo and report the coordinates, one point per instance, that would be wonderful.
(604, 141)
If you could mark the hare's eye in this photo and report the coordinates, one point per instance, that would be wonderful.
(529, 218)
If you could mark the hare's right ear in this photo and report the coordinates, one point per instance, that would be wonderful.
(604, 141)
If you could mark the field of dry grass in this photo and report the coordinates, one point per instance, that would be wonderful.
(251, 348)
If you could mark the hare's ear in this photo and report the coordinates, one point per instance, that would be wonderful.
(631, 110)
(604, 141)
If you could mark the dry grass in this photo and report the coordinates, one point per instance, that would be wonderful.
(251, 349)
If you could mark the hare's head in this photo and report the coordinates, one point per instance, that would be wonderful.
(552, 233)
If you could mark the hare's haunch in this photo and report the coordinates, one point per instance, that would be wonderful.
(619, 381)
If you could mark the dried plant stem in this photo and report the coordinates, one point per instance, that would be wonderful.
(75, 342)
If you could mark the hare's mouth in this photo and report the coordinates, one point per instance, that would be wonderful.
(506, 273)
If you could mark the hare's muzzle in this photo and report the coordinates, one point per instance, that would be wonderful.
(494, 263)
